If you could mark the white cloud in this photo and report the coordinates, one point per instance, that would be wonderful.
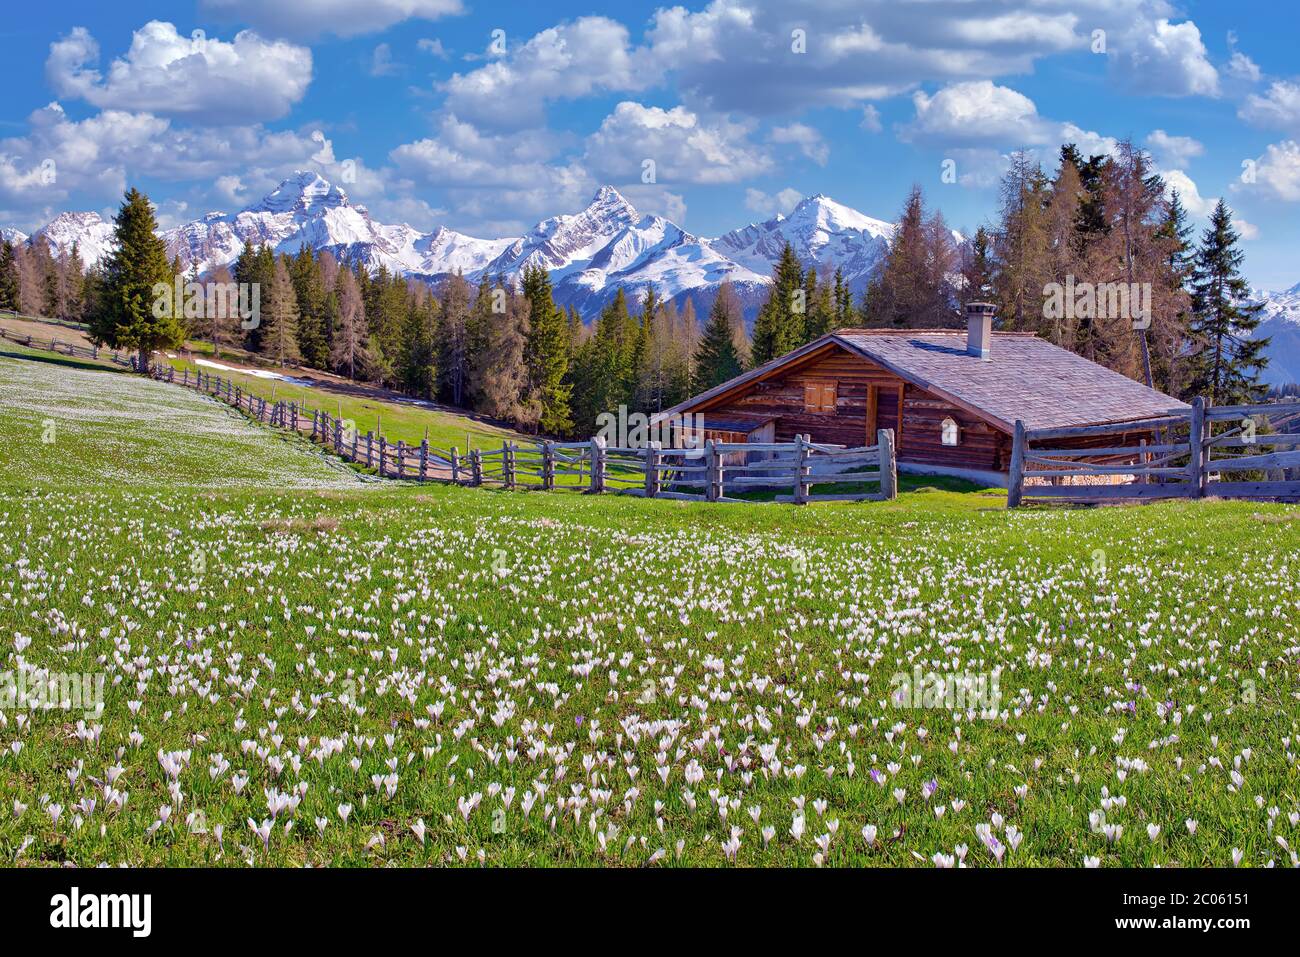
(973, 121)
(433, 47)
(1166, 59)
(684, 147)
(591, 55)
(1279, 108)
(1176, 180)
(1247, 230)
(871, 119)
(462, 155)
(203, 79)
(768, 206)
(1173, 151)
(1276, 174)
(345, 18)
(808, 140)
(1242, 67)
(975, 112)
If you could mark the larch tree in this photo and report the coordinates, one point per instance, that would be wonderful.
(279, 317)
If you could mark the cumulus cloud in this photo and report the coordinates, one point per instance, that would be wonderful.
(975, 112)
(808, 140)
(1173, 151)
(1247, 231)
(591, 55)
(1278, 108)
(463, 155)
(871, 119)
(685, 148)
(1166, 59)
(1276, 174)
(306, 19)
(975, 121)
(769, 205)
(1176, 180)
(203, 79)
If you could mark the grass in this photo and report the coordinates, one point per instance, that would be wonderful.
(399, 421)
(395, 674)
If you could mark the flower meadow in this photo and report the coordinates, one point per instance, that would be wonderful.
(380, 674)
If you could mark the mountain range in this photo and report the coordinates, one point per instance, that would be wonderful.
(589, 254)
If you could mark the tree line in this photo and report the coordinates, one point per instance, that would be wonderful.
(505, 349)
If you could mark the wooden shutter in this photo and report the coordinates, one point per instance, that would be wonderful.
(811, 396)
(828, 396)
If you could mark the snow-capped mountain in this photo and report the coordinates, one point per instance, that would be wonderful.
(89, 232)
(306, 209)
(590, 254)
(1280, 320)
(14, 236)
(821, 231)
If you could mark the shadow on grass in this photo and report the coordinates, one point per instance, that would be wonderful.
(58, 360)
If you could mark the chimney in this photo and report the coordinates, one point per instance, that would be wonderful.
(979, 329)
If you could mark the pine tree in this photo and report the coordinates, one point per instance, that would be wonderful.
(977, 268)
(279, 339)
(1226, 368)
(547, 353)
(9, 283)
(717, 359)
(781, 322)
(130, 314)
(309, 287)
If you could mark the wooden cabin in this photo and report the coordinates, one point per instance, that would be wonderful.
(951, 396)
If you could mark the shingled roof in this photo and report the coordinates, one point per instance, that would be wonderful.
(1024, 378)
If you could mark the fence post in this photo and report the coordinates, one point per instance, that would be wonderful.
(888, 464)
(548, 466)
(476, 467)
(370, 448)
(652, 469)
(800, 464)
(1196, 450)
(712, 472)
(455, 465)
(598, 464)
(424, 460)
(1016, 474)
(401, 458)
(383, 448)
(507, 465)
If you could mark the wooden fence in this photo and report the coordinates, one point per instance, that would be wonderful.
(1179, 461)
(591, 467)
(68, 348)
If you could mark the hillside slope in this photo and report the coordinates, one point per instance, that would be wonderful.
(63, 425)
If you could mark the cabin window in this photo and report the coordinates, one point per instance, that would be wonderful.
(949, 432)
(819, 396)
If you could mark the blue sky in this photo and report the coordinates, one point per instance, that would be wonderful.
(486, 118)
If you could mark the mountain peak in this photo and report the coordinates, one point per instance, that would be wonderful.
(305, 190)
(610, 198)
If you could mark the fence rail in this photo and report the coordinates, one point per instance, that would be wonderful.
(1177, 461)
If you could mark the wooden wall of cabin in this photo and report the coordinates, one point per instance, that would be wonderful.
(981, 446)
